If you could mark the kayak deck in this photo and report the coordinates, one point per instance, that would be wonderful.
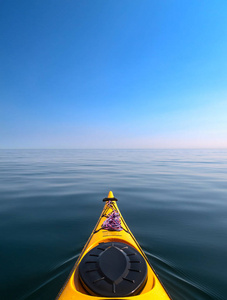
(74, 289)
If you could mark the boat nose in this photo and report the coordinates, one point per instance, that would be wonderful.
(110, 195)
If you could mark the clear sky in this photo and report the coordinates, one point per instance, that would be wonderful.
(113, 74)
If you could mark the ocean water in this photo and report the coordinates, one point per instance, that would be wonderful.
(174, 201)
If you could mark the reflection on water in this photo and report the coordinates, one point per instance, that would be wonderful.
(174, 201)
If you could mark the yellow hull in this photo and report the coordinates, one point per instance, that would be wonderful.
(73, 288)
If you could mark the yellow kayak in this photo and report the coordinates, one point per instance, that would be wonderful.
(112, 264)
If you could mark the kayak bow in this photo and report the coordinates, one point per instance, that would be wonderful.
(112, 264)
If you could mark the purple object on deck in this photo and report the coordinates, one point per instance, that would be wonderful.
(113, 221)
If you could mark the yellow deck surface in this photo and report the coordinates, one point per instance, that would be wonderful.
(73, 290)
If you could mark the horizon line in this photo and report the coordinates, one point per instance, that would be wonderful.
(158, 148)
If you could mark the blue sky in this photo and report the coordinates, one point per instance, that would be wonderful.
(113, 74)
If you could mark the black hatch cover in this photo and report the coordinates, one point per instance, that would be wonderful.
(113, 270)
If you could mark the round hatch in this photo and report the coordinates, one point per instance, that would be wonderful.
(113, 270)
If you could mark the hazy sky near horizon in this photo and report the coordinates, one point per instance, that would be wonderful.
(113, 74)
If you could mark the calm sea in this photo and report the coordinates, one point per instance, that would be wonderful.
(174, 201)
